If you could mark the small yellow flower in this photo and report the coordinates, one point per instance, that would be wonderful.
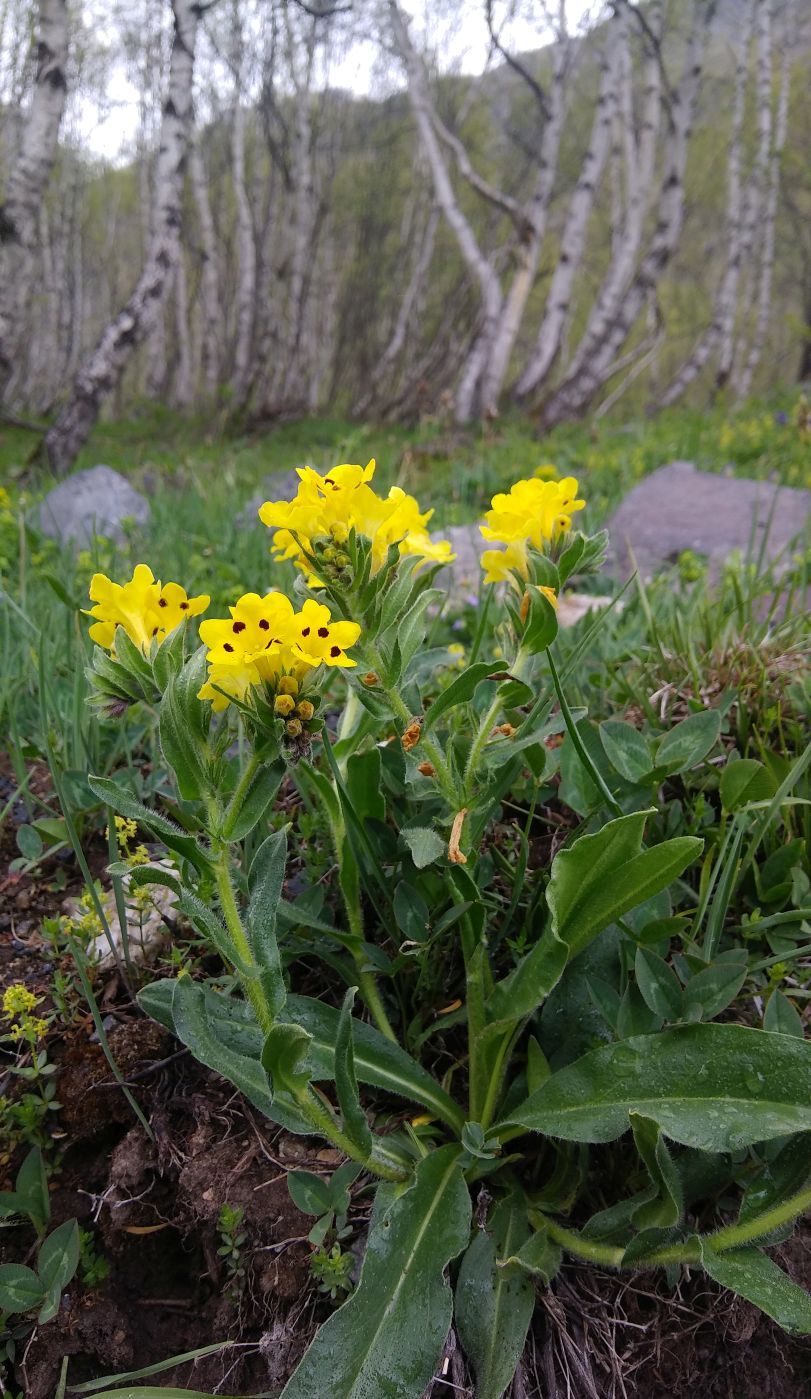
(284, 705)
(18, 1000)
(147, 610)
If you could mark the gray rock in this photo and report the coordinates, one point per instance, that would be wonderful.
(463, 577)
(678, 508)
(281, 485)
(92, 502)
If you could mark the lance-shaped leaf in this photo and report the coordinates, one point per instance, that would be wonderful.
(378, 1061)
(265, 883)
(601, 877)
(664, 1205)
(211, 1042)
(242, 816)
(172, 835)
(387, 1338)
(756, 1277)
(715, 1087)
(355, 1124)
(461, 690)
(198, 913)
(493, 1304)
(183, 725)
(285, 1058)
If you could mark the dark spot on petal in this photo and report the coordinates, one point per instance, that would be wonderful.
(183, 606)
(154, 631)
(323, 631)
(305, 631)
(335, 650)
(227, 646)
(162, 602)
(264, 623)
(238, 627)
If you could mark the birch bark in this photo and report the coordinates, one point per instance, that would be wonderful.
(212, 328)
(102, 370)
(245, 239)
(19, 212)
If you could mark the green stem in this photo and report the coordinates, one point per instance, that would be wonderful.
(517, 670)
(238, 796)
(403, 714)
(233, 923)
(379, 1163)
(729, 1237)
(367, 984)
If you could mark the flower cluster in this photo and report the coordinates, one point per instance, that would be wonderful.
(147, 610)
(533, 514)
(18, 1005)
(316, 524)
(265, 643)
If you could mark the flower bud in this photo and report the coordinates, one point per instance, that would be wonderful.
(288, 685)
(293, 728)
(284, 705)
(305, 710)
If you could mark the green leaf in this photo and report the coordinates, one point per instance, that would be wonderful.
(601, 877)
(173, 836)
(29, 843)
(240, 821)
(539, 1257)
(265, 884)
(20, 1288)
(713, 988)
(781, 1017)
(780, 1178)
(285, 1058)
(31, 1190)
(460, 691)
(751, 1274)
(745, 780)
(425, 845)
(183, 723)
(626, 750)
(363, 785)
(715, 1087)
(658, 983)
(665, 1205)
(388, 1337)
(309, 1192)
(213, 1042)
(689, 742)
(90, 1386)
(59, 1256)
(493, 1305)
(353, 1117)
(378, 1061)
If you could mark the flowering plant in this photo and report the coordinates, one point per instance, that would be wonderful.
(339, 692)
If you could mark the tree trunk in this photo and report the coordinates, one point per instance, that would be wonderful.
(212, 331)
(19, 212)
(578, 390)
(103, 369)
(722, 326)
(246, 259)
(573, 239)
(743, 385)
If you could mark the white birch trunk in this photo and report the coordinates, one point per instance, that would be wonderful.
(183, 386)
(246, 258)
(743, 384)
(721, 328)
(19, 211)
(212, 328)
(102, 371)
(640, 169)
(573, 239)
(479, 267)
(294, 384)
(576, 392)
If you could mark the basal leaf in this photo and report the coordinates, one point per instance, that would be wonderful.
(386, 1340)
(493, 1305)
(715, 1087)
(756, 1277)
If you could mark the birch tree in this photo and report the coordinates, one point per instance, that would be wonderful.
(500, 311)
(20, 209)
(212, 332)
(245, 300)
(102, 370)
(618, 311)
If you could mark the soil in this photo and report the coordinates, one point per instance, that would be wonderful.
(151, 1207)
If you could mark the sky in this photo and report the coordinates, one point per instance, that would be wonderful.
(109, 127)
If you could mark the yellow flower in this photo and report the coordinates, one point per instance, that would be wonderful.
(499, 564)
(18, 1000)
(266, 643)
(326, 508)
(535, 512)
(532, 514)
(146, 610)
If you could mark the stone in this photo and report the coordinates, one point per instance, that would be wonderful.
(281, 485)
(96, 501)
(678, 508)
